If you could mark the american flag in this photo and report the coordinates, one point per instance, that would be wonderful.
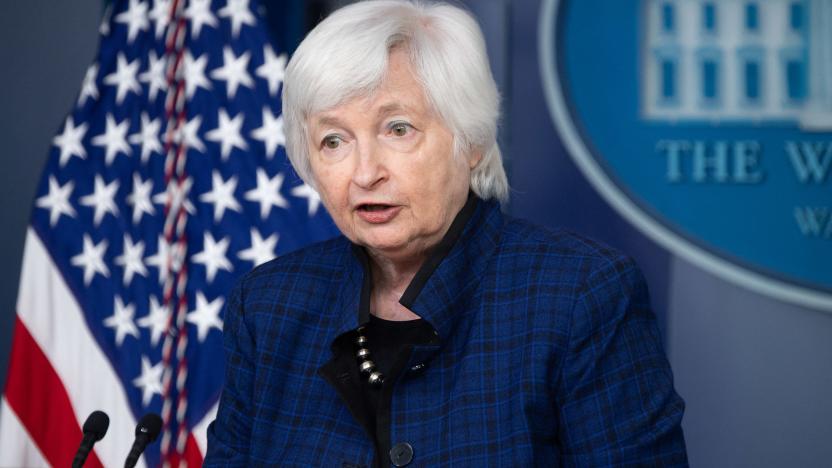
(166, 182)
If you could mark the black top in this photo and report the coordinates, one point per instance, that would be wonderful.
(387, 340)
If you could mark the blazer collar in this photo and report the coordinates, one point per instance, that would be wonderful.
(453, 268)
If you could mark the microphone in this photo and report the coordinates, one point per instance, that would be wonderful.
(94, 429)
(147, 430)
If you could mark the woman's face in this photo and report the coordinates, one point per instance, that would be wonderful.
(385, 169)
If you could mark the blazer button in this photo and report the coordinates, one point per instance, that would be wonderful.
(401, 454)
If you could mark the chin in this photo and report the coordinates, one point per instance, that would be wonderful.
(385, 245)
(383, 242)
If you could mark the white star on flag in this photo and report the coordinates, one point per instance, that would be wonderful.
(57, 200)
(239, 13)
(270, 133)
(124, 78)
(213, 256)
(139, 198)
(91, 259)
(69, 141)
(227, 134)
(154, 76)
(150, 380)
(114, 139)
(102, 199)
(160, 14)
(88, 88)
(199, 14)
(313, 199)
(148, 137)
(267, 193)
(261, 250)
(161, 259)
(131, 259)
(122, 321)
(157, 320)
(233, 71)
(190, 135)
(135, 17)
(206, 315)
(221, 195)
(273, 68)
(194, 69)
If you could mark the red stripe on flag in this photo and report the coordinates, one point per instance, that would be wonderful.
(192, 454)
(37, 395)
(191, 457)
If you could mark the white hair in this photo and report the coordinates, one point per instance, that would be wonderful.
(346, 55)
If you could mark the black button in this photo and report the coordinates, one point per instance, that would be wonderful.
(401, 454)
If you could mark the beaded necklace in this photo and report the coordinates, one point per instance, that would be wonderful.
(365, 364)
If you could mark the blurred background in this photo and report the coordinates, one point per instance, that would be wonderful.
(692, 134)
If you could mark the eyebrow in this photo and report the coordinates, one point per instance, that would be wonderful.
(328, 120)
(390, 108)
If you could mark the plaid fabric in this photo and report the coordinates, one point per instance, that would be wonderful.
(549, 356)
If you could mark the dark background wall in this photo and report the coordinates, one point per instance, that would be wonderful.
(45, 48)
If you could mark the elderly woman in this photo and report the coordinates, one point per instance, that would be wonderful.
(436, 330)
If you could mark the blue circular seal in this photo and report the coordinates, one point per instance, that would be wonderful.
(706, 125)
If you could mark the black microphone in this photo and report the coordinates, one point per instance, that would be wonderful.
(147, 430)
(94, 429)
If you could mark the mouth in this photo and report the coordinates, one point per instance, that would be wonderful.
(377, 213)
(373, 207)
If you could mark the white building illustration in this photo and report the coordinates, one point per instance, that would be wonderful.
(729, 60)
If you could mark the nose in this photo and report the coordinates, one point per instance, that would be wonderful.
(369, 169)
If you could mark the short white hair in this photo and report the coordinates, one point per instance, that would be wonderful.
(346, 55)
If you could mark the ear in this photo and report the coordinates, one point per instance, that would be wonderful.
(474, 159)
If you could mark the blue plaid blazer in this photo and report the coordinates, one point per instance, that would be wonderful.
(548, 355)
